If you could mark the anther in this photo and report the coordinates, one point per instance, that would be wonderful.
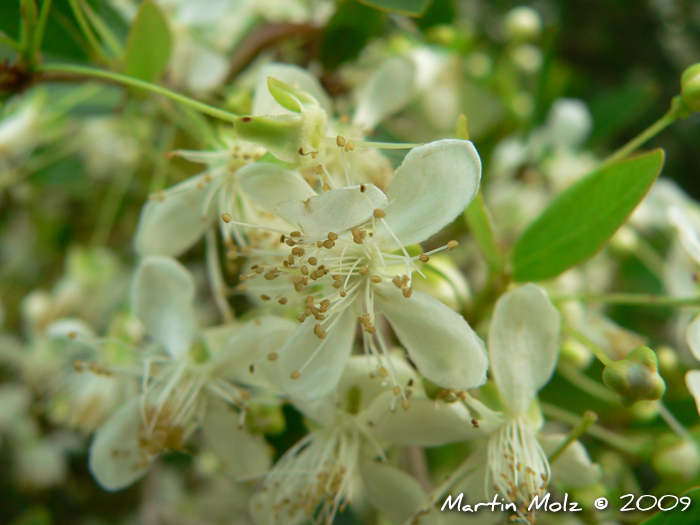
(289, 242)
(313, 261)
(328, 244)
(326, 187)
(272, 356)
(407, 292)
(332, 236)
(304, 270)
(424, 257)
(406, 404)
(363, 270)
(282, 300)
(340, 141)
(265, 297)
(382, 372)
(350, 146)
(295, 375)
(226, 217)
(379, 213)
(363, 188)
(295, 234)
(452, 245)
(397, 390)
(251, 369)
(376, 279)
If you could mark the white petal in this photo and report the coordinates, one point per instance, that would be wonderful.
(116, 458)
(523, 344)
(692, 335)
(438, 340)
(426, 423)
(395, 493)
(333, 211)
(241, 454)
(265, 104)
(250, 346)
(207, 69)
(435, 183)
(323, 372)
(692, 381)
(388, 91)
(269, 184)
(161, 298)
(573, 468)
(687, 232)
(172, 225)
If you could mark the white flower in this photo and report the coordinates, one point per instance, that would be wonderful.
(185, 388)
(523, 349)
(349, 262)
(333, 466)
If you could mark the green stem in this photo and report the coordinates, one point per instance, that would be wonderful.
(140, 84)
(669, 118)
(40, 28)
(603, 434)
(588, 419)
(672, 422)
(632, 299)
(587, 384)
(597, 351)
(87, 31)
(11, 43)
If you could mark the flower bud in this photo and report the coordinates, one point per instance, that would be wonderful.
(575, 354)
(523, 23)
(690, 87)
(296, 138)
(676, 458)
(265, 419)
(636, 377)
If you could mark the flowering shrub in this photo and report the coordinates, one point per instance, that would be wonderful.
(292, 262)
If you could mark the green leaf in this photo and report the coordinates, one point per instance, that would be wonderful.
(580, 220)
(678, 516)
(348, 31)
(149, 44)
(405, 7)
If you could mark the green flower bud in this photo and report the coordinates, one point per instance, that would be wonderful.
(690, 87)
(676, 459)
(296, 138)
(575, 354)
(265, 419)
(636, 377)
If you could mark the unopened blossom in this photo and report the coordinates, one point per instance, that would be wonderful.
(335, 465)
(196, 383)
(346, 262)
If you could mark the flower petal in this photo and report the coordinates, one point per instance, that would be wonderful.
(241, 454)
(174, 224)
(269, 184)
(251, 346)
(333, 211)
(328, 356)
(692, 335)
(265, 104)
(426, 423)
(435, 183)
(523, 344)
(573, 468)
(116, 458)
(438, 340)
(388, 91)
(395, 493)
(687, 232)
(692, 381)
(161, 297)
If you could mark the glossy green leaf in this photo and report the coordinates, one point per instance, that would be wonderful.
(582, 219)
(405, 7)
(149, 44)
(348, 31)
(677, 516)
